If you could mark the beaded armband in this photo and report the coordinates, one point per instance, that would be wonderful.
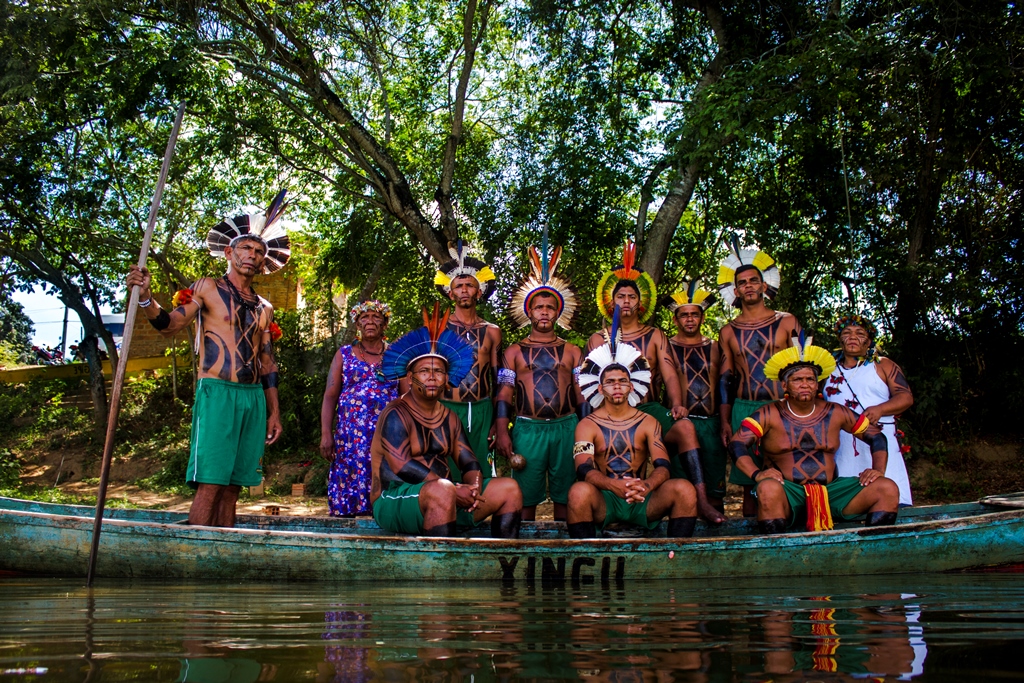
(583, 448)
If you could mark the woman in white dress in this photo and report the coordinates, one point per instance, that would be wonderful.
(875, 386)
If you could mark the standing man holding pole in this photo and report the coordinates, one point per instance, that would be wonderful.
(236, 410)
(745, 279)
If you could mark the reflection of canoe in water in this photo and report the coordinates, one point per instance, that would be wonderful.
(42, 538)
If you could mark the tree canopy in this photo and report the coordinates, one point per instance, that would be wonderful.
(872, 147)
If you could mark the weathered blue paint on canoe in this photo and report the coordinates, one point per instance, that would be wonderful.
(41, 538)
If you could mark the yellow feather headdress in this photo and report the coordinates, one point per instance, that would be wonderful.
(802, 354)
(627, 271)
(739, 258)
(464, 264)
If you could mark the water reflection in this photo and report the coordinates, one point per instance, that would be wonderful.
(927, 629)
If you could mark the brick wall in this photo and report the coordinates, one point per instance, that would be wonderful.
(280, 289)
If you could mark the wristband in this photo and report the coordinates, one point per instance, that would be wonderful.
(507, 377)
(147, 303)
(753, 476)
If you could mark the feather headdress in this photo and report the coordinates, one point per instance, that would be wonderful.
(627, 271)
(370, 305)
(802, 354)
(464, 264)
(614, 352)
(690, 295)
(542, 278)
(261, 226)
(741, 259)
(433, 340)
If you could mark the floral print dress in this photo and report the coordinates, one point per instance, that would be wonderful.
(362, 399)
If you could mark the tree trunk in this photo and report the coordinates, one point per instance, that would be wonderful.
(910, 302)
(97, 383)
(665, 222)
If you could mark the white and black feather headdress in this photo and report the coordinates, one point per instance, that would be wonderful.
(261, 226)
(615, 352)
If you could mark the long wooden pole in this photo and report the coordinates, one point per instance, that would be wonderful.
(129, 327)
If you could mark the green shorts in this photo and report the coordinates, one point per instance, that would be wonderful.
(547, 447)
(229, 432)
(840, 492)
(398, 509)
(741, 410)
(659, 412)
(712, 456)
(618, 510)
(476, 418)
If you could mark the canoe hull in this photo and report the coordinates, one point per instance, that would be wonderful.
(45, 543)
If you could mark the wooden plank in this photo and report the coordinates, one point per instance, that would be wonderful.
(71, 370)
(1006, 500)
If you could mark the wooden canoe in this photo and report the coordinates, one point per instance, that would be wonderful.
(53, 540)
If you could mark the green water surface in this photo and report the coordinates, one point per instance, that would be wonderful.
(923, 628)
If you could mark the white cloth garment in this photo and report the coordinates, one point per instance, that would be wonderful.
(860, 388)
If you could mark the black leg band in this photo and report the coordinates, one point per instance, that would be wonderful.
(771, 526)
(681, 527)
(691, 460)
(881, 518)
(582, 530)
(506, 525)
(441, 530)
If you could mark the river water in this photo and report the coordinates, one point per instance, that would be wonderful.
(923, 628)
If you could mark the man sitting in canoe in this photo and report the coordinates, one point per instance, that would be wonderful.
(614, 445)
(412, 492)
(798, 437)
(236, 411)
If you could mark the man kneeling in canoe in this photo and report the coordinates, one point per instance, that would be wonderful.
(614, 445)
(416, 435)
(798, 438)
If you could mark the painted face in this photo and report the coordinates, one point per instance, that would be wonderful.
(628, 301)
(429, 377)
(465, 291)
(246, 257)
(543, 313)
(802, 384)
(615, 385)
(855, 340)
(688, 318)
(750, 287)
(371, 325)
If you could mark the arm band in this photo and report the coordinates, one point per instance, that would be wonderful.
(737, 449)
(583, 447)
(161, 322)
(413, 472)
(583, 470)
(879, 443)
(584, 409)
(725, 395)
(507, 377)
(269, 380)
(503, 410)
(471, 466)
(661, 462)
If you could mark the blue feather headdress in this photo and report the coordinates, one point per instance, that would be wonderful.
(431, 340)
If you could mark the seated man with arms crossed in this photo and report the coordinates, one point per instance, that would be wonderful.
(613, 446)
(412, 492)
(798, 437)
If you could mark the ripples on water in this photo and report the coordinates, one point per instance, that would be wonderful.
(955, 628)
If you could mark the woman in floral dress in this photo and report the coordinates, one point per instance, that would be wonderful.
(353, 400)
